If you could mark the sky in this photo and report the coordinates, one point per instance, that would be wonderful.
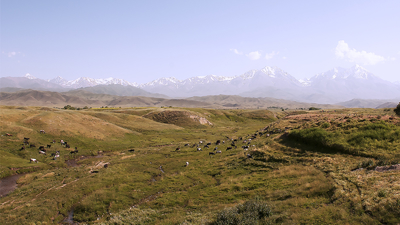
(141, 41)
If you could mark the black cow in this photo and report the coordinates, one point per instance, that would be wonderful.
(48, 146)
(211, 153)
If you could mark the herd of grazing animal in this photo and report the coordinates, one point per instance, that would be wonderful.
(42, 149)
(233, 142)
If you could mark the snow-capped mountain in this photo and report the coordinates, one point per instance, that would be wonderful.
(89, 82)
(214, 85)
(30, 77)
(335, 85)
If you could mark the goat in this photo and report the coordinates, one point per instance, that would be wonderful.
(33, 160)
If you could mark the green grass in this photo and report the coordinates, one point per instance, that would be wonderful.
(300, 178)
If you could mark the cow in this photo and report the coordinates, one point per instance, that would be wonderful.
(67, 146)
(218, 142)
(249, 156)
(41, 147)
(73, 152)
(206, 146)
(177, 149)
(211, 153)
(198, 149)
(42, 131)
(62, 142)
(26, 139)
(187, 164)
(33, 160)
(216, 148)
(209, 143)
(22, 148)
(48, 146)
(32, 146)
(218, 152)
(229, 148)
(186, 145)
(7, 134)
(131, 150)
(42, 152)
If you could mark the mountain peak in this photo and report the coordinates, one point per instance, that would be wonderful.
(30, 76)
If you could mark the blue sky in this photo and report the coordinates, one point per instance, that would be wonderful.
(140, 41)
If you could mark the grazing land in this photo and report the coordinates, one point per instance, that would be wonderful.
(151, 165)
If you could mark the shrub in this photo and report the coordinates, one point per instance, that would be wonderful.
(313, 108)
(250, 212)
(397, 110)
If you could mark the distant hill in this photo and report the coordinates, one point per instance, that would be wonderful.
(387, 105)
(119, 90)
(81, 98)
(235, 101)
(26, 83)
(369, 103)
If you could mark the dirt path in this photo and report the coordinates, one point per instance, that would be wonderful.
(8, 184)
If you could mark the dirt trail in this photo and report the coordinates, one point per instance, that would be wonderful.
(8, 184)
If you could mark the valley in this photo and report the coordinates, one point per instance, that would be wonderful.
(142, 165)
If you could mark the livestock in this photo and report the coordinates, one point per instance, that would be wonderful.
(216, 148)
(67, 146)
(106, 165)
(48, 146)
(177, 149)
(186, 144)
(229, 148)
(33, 160)
(26, 139)
(232, 144)
(198, 149)
(32, 145)
(22, 148)
(73, 152)
(218, 152)
(62, 142)
(211, 153)
(209, 143)
(131, 150)
(76, 148)
(41, 147)
(218, 142)
(245, 146)
(42, 131)
(7, 134)
(206, 146)
(42, 152)
(249, 156)
(187, 163)
(200, 142)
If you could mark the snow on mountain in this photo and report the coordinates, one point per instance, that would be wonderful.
(89, 82)
(30, 77)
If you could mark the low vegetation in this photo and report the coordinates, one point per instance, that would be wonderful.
(300, 167)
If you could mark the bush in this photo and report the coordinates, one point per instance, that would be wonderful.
(397, 110)
(313, 108)
(251, 212)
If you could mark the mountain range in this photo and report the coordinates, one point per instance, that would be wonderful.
(333, 86)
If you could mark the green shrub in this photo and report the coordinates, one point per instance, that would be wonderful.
(251, 212)
(397, 110)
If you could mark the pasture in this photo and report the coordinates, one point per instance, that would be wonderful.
(313, 167)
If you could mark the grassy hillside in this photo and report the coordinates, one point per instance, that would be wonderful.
(293, 175)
